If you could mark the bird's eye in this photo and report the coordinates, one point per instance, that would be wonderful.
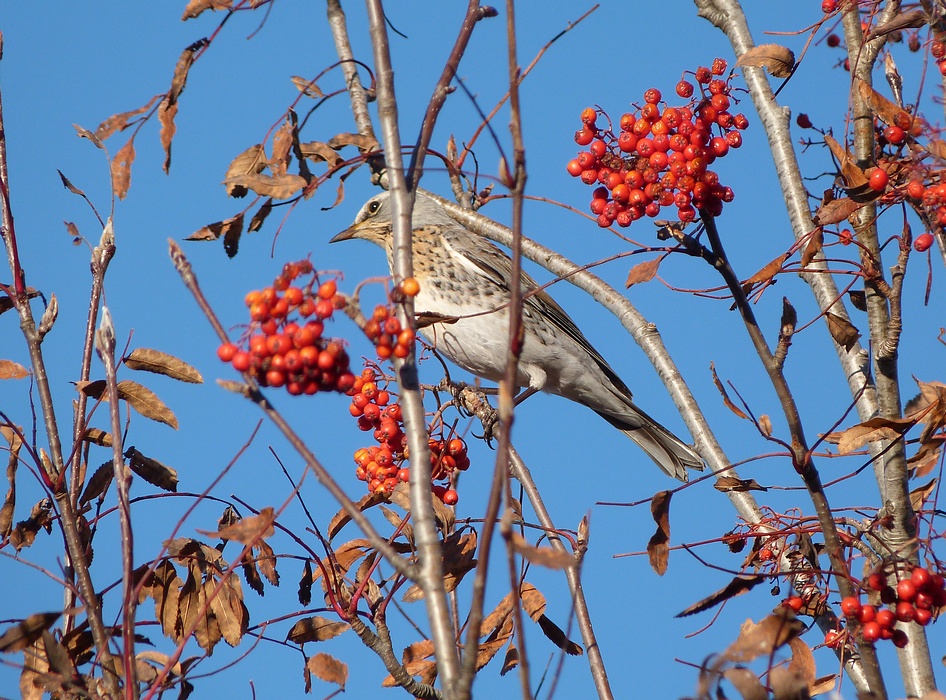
(373, 207)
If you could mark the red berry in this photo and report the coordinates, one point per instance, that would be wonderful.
(833, 40)
(938, 49)
(878, 179)
(900, 639)
(829, 6)
(598, 148)
(923, 242)
(921, 577)
(685, 89)
(584, 136)
(241, 361)
(574, 168)
(450, 497)
(794, 603)
(870, 632)
(803, 121)
(719, 146)
(915, 189)
(923, 617)
(703, 74)
(652, 96)
(226, 351)
(719, 66)
(906, 590)
(877, 581)
(867, 614)
(588, 116)
(851, 606)
(886, 618)
(894, 134)
(905, 611)
(833, 638)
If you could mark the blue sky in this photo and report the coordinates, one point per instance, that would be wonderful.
(81, 63)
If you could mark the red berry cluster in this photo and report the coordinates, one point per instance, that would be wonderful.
(385, 331)
(660, 156)
(912, 600)
(384, 465)
(284, 345)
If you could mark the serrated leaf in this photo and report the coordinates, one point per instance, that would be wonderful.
(21, 635)
(328, 668)
(167, 111)
(151, 470)
(143, 400)
(642, 272)
(543, 556)
(121, 168)
(12, 370)
(307, 87)
(249, 162)
(776, 59)
(316, 629)
(815, 242)
(149, 360)
(276, 186)
(247, 530)
(98, 483)
(842, 330)
(118, 122)
(196, 7)
(256, 223)
(362, 143)
(658, 548)
(765, 637)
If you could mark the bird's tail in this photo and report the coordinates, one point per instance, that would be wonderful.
(670, 453)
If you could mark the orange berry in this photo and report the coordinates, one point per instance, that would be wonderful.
(410, 287)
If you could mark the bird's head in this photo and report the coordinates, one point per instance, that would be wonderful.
(373, 222)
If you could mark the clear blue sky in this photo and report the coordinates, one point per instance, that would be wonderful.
(80, 63)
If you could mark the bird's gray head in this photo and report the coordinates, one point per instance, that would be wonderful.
(373, 221)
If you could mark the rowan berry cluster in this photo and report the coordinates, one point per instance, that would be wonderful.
(385, 465)
(912, 599)
(385, 331)
(660, 156)
(284, 345)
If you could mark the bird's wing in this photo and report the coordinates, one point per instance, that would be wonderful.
(497, 266)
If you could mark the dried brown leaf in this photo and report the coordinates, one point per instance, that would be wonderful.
(767, 272)
(196, 7)
(920, 494)
(722, 390)
(417, 651)
(121, 168)
(888, 112)
(836, 211)
(12, 370)
(424, 669)
(307, 87)
(316, 629)
(765, 637)
(815, 241)
(803, 662)
(248, 530)
(328, 668)
(34, 678)
(558, 637)
(533, 602)
(9, 501)
(98, 483)
(920, 464)
(282, 146)
(256, 223)
(842, 330)
(149, 360)
(854, 177)
(824, 684)
(777, 60)
(152, 471)
(266, 559)
(738, 586)
(642, 272)
(318, 152)
(119, 122)
(543, 556)
(167, 111)
(230, 229)
(765, 424)
(84, 133)
(871, 430)
(510, 661)
(229, 612)
(746, 682)
(913, 19)
(362, 143)
(278, 187)
(731, 483)
(22, 634)
(342, 518)
(658, 549)
(250, 162)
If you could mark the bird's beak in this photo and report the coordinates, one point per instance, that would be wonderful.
(347, 234)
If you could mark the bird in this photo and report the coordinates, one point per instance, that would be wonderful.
(465, 284)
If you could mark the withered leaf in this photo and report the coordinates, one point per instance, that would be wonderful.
(317, 152)
(764, 638)
(34, 679)
(824, 684)
(256, 223)
(417, 651)
(9, 501)
(307, 87)
(69, 186)
(247, 530)
(151, 470)
(731, 483)
(228, 608)
(315, 629)
(738, 586)
(282, 144)
(888, 112)
(854, 177)
(196, 7)
(12, 370)
(251, 575)
(803, 661)
(543, 556)
(511, 660)
(213, 231)
(149, 360)
(722, 390)
(815, 241)
(305, 584)
(746, 682)
(921, 464)
(328, 668)
(362, 143)
(98, 483)
(871, 430)
(558, 638)
(182, 68)
(533, 602)
(777, 60)
(121, 168)
(842, 330)
(97, 437)
(342, 518)
(787, 685)
(163, 585)
(643, 272)
(118, 122)
(858, 299)
(658, 548)
(836, 211)
(424, 669)
(913, 19)
(84, 133)
(167, 111)
(920, 494)
(250, 162)
(266, 559)
(767, 272)
(276, 186)
(21, 635)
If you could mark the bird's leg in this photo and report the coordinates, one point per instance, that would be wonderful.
(523, 395)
